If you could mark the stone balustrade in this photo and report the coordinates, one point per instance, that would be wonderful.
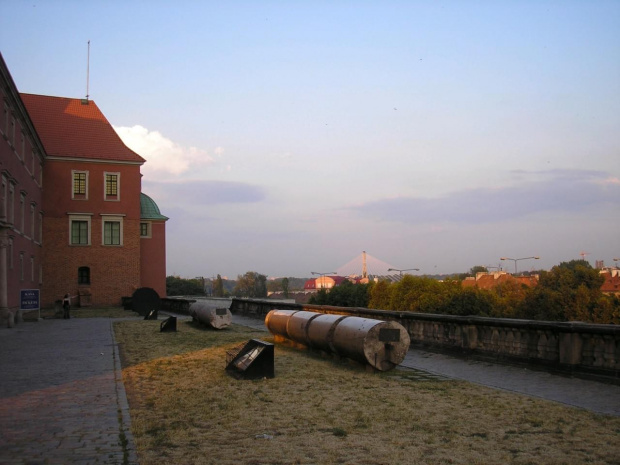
(569, 347)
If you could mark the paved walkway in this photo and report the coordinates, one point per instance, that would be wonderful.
(62, 399)
(590, 395)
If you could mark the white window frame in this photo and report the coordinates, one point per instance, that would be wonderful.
(112, 218)
(149, 229)
(80, 217)
(75, 196)
(112, 198)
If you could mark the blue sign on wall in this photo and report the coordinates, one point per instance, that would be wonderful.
(29, 299)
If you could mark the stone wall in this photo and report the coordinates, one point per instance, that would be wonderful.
(574, 348)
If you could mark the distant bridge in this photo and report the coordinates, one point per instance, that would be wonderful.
(375, 267)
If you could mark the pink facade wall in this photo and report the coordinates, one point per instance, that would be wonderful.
(20, 197)
(153, 259)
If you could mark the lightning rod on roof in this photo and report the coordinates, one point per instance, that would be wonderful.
(87, 70)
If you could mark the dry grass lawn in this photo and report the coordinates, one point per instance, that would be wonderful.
(185, 409)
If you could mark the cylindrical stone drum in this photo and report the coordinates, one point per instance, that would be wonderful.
(204, 313)
(297, 326)
(382, 344)
(276, 321)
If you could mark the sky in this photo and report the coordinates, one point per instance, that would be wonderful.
(286, 137)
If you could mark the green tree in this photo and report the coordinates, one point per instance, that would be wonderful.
(218, 287)
(469, 301)
(380, 296)
(251, 284)
(285, 287)
(421, 294)
(478, 269)
(181, 286)
(508, 297)
(319, 298)
(570, 291)
(346, 294)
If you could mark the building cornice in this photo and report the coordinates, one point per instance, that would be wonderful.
(93, 160)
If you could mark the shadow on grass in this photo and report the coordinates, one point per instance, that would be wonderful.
(142, 341)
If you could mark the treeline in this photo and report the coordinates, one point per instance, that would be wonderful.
(250, 284)
(570, 291)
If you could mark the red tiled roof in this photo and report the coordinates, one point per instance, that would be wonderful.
(611, 284)
(489, 281)
(71, 129)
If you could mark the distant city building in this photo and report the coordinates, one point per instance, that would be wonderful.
(324, 282)
(611, 285)
(488, 281)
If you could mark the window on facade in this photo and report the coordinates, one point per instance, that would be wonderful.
(11, 253)
(32, 268)
(12, 133)
(40, 227)
(4, 193)
(21, 266)
(5, 126)
(22, 212)
(83, 275)
(11, 203)
(80, 185)
(32, 225)
(112, 233)
(112, 184)
(145, 230)
(79, 232)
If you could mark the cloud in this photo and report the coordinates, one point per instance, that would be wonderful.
(193, 193)
(537, 192)
(163, 156)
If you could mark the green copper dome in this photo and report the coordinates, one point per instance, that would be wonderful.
(149, 209)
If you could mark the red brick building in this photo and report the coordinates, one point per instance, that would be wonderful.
(21, 211)
(93, 228)
(73, 218)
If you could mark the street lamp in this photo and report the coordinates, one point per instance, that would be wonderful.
(401, 271)
(517, 259)
(322, 276)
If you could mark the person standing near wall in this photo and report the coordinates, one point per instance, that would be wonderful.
(66, 307)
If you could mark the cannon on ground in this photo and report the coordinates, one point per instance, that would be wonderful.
(146, 302)
(204, 313)
(169, 325)
(253, 359)
(380, 344)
